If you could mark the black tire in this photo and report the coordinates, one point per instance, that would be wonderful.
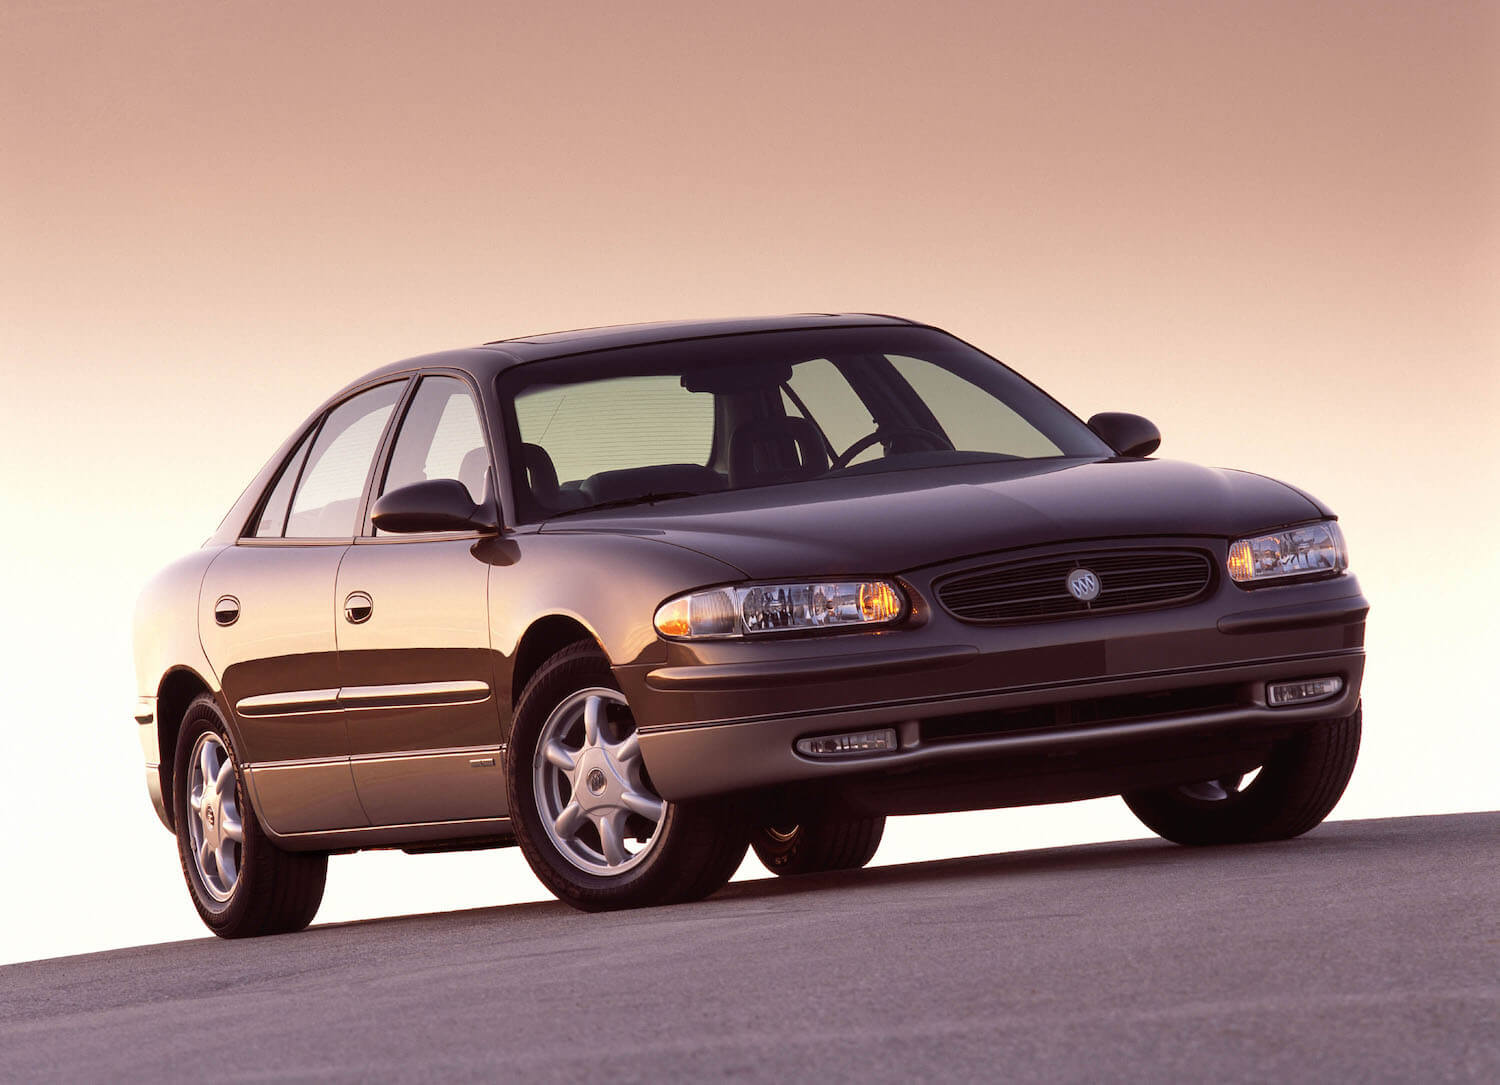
(276, 891)
(698, 847)
(1296, 788)
(813, 847)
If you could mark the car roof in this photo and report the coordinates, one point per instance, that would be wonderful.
(552, 344)
(492, 357)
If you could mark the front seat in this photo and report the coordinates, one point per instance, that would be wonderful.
(540, 474)
(771, 450)
(472, 470)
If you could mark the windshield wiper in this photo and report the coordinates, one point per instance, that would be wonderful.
(623, 502)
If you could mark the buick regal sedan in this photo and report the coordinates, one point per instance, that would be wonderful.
(639, 598)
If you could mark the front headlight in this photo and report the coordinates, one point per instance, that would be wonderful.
(755, 609)
(1297, 551)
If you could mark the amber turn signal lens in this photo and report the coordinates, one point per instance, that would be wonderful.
(672, 618)
(1241, 568)
(878, 601)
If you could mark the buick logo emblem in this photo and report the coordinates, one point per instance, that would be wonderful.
(1083, 585)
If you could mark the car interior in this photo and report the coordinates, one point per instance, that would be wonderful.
(753, 426)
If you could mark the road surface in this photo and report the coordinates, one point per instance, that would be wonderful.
(1368, 950)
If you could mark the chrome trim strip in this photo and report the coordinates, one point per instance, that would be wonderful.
(306, 762)
(413, 694)
(145, 710)
(360, 759)
(407, 755)
(289, 703)
(407, 695)
(280, 540)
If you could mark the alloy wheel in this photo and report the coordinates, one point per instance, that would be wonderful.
(595, 803)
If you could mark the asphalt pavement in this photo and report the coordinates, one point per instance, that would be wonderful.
(1367, 950)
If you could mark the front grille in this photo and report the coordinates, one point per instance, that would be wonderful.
(1036, 588)
(1095, 710)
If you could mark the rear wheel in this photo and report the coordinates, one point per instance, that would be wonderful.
(585, 813)
(811, 847)
(1296, 788)
(242, 884)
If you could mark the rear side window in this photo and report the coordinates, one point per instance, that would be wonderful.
(617, 424)
(272, 519)
(327, 498)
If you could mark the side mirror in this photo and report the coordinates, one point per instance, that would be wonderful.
(1127, 434)
(439, 504)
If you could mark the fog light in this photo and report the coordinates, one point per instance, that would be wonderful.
(856, 742)
(1306, 689)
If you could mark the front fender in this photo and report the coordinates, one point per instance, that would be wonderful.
(610, 584)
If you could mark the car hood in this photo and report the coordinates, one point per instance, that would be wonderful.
(898, 520)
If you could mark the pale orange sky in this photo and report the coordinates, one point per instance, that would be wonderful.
(1272, 227)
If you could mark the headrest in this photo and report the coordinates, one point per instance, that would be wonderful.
(471, 472)
(541, 473)
(771, 450)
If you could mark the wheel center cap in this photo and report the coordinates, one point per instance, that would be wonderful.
(596, 781)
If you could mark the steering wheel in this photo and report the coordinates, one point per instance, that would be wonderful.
(886, 435)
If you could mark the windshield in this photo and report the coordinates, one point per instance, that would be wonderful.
(771, 409)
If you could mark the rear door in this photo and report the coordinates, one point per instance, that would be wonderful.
(413, 634)
(267, 621)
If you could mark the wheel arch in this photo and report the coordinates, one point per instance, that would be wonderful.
(544, 638)
(178, 688)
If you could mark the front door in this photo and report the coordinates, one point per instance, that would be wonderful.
(412, 621)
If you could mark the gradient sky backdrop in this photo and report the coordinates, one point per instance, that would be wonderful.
(1272, 227)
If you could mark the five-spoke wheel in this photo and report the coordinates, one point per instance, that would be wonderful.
(591, 791)
(585, 813)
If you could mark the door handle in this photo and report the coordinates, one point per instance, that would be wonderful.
(227, 610)
(358, 607)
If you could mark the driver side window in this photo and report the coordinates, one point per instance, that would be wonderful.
(832, 403)
(440, 437)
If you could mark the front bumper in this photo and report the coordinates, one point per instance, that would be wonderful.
(722, 717)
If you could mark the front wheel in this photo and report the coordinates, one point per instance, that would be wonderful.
(242, 884)
(586, 815)
(1295, 789)
(813, 847)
